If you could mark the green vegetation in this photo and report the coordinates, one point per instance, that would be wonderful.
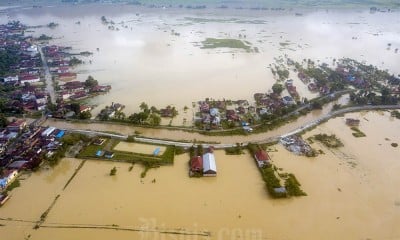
(75, 61)
(224, 43)
(44, 37)
(272, 181)
(145, 170)
(52, 25)
(293, 186)
(130, 138)
(113, 171)
(237, 150)
(330, 141)
(89, 152)
(13, 185)
(277, 88)
(3, 121)
(131, 167)
(68, 140)
(395, 114)
(90, 82)
(394, 144)
(8, 57)
(357, 132)
(179, 150)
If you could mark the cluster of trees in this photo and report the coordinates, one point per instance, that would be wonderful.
(76, 107)
(75, 61)
(44, 37)
(363, 97)
(283, 74)
(277, 88)
(8, 57)
(147, 115)
(52, 25)
(3, 121)
(90, 82)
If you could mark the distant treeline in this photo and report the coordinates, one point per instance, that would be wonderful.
(249, 3)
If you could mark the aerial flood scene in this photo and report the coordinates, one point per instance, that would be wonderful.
(211, 119)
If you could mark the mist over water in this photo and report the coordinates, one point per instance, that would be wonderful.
(145, 61)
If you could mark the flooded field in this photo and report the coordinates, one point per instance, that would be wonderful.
(350, 195)
(29, 201)
(139, 148)
(154, 56)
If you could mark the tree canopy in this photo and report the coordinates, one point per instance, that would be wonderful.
(91, 82)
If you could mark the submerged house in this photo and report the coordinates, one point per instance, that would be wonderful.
(352, 122)
(209, 165)
(262, 158)
(196, 164)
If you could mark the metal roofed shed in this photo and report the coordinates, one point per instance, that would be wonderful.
(209, 165)
(60, 134)
(48, 131)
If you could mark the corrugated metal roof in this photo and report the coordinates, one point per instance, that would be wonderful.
(209, 162)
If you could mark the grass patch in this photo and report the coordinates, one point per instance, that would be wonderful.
(395, 114)
(292, 186)
(271, 181)
(330, 141)
(237, 150)
(394, 145)
(13, 185)
(357, 132)
(210, 43)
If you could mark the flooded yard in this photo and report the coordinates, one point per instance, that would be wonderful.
(139, 148)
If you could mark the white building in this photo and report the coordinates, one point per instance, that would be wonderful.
(48, 131)
(11, 79)
(30, 79)
(209, 166)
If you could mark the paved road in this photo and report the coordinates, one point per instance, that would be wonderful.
(47, 75)
(304, 127)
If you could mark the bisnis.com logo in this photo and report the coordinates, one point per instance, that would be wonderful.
(150, 229)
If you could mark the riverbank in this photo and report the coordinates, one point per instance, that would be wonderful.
(186, 138)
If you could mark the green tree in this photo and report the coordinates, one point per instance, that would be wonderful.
(144, 107)
(277, 88)
(113, 171)
(85, 115)
(154, 119)
(154, 110)
(174, 112)
(3, 121)
(91, 82)
(76, 107)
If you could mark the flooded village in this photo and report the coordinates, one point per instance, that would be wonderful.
(197, 125)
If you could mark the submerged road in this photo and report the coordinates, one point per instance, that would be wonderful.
(273, 136)
(48, 78)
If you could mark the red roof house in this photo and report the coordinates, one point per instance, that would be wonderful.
(262, 158)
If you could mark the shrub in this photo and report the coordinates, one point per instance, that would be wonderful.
(113, 171)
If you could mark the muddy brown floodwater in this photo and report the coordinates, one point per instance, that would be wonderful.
(352, 191)
(351, 195)
(145, 62)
